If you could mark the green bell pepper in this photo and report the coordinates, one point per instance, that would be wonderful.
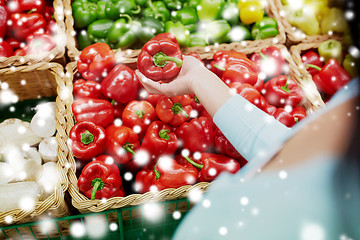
(191, 3)
(83, 39)
(198, 39)
(180, 32)
(150, 28)
(100, 28)
(84, 13)
(191, 27)
(186, 16)
(141, 3)
(209, 10)
(116, 7)
(351, 65)
(331, 49)
(217, 31)
(157, 10)
(230, 12)
(172, 4)
(100, 11)
(122, 33)
(239, 33)
(265, 28)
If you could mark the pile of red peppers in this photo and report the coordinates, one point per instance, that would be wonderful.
(120, 129)
(27, 27)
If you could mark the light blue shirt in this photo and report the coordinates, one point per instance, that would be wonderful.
(296, 204)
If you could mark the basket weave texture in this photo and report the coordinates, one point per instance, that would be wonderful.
(84, 204)
(42, 80)
(130, 55)
(293, 35)
(56, 53)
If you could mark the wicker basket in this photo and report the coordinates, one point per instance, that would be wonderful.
(84, 204)
(130, 56)
(42, 80)
(57, 53)
(294, 35)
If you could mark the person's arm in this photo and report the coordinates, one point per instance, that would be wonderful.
(249, 129)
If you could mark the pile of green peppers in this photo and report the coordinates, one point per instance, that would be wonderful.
(130, 23)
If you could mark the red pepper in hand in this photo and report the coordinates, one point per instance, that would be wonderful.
(282, 91)
(160, 59)
(121, 143)
(284, 117)
(87, 140)
(96, 61)
(24, 24)
(159, 140)
(269, 61)
(5, 49)
(39, 43)
(98, 111)
(100, 178)
(87, 89)
(139, 113)
(213, 164)
(312, 58)
(121, 84)
(250, 93)
(196, 135)
(175, 110)
(331, 77)
(167, 173)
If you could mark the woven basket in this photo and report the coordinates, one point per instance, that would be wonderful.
(130, 56)
(56, 53)
(84, 204)
(294, 35)
(42, 80)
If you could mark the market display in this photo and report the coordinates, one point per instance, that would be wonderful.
(128, 24)
(26, 27)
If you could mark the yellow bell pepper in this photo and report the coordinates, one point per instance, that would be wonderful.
(334, 21)
(251, 11)
(320, 8)
(304, 19)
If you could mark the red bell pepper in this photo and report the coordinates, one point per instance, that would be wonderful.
(159, 140)
(167, 35)
(3, 20)
(121, 192)
(197, 56)
(299, 113)
(196, 135)
(196, 105)
(221, 59)
(13, 42)
(49, 13)
(269, 61)
(250, 93)
(331, 77)
(226, 148)
(167, 173)
(121, 143)
(175, 110)
(98, 111)
(153, 98)
(121, 84)
(100, 178)
(213, 164)
(139, 113)
(96, 61)
(26, 6)
(282, 91)
(284, 117)
(118, 109)
(312, 58)
(87, 140)
(39, 43)
(24, 24)
(87, 89)
(160, 59)
(5, 49)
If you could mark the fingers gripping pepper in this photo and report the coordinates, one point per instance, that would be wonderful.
(87, 140)
(160, 59)
(120, 84)
(175, 110)
(196, 135)
(96, 61)
(121, 143)
(100, 178)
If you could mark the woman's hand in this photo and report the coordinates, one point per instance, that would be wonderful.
(192, 73)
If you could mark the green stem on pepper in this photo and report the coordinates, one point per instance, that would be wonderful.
(164, 134)
(177, 108)
(286, 86)
(161, 59)
(97, 184)
(140, 113)
(195, 164)
(128, 147)
(313, 66)
(87, 137)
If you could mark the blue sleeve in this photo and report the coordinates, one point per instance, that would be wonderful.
(250, 130)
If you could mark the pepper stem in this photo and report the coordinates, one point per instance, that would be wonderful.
(161, 59)
(157, 173)
(296, 119)
(137, 10)
(313, 66)
(128, 147)
(97, 184)
(218, 67)
(195, 164)
(263, 57)
(127, 17)
(196, 99)
(87, 137)
(112, 102)
(286, 86)
(177, 108)
(164, 134)
(140, 113)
